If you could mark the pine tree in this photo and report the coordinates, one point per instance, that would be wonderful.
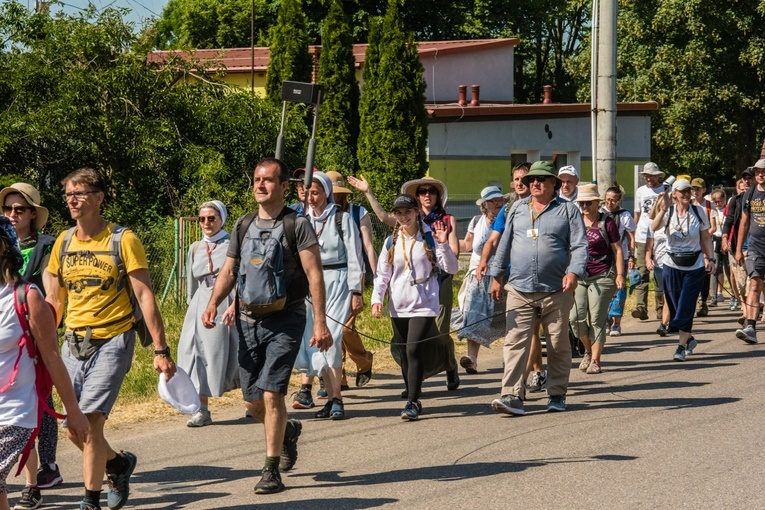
(289, 49)
(393, 119)
(338, 124)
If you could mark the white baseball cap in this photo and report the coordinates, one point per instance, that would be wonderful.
(568, 170)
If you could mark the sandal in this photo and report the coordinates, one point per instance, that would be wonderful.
(325, 411)
(338, 411)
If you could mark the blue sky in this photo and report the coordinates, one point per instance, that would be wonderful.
(140, 9)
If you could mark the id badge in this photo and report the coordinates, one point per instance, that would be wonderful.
(532, 232)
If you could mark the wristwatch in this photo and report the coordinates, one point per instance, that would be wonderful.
(712, 260)
(162, 352)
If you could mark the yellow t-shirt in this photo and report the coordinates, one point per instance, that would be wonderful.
(90, 279)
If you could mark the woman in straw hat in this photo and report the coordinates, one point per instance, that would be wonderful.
(21, 205)
(431, 195)
(605, 274)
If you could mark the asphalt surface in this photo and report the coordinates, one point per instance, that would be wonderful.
(646, 433)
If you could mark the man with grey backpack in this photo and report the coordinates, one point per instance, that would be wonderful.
(274, 261)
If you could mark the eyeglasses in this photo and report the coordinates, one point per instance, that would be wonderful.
(537, 178)
(80, 196)
(587, 203)
(427, 191)
(208, 219)
(18, 209)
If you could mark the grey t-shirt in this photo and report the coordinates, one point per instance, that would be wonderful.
(305, 237)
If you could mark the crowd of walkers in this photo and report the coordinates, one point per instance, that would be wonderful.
(283, 290)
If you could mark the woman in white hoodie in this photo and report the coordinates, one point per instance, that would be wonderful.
(406, 271)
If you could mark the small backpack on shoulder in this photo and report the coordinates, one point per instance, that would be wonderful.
(262, 285)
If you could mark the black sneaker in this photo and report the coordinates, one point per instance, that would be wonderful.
(662, 330)
(30, 498)
(119, 483)
(289, 447)
(412, 411)
(270, 482)
(47, 477)
(452, 380)
(363, 378)
(85, 505)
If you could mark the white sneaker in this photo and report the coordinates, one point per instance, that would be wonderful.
(200, 419)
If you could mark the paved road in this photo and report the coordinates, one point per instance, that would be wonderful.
(647, 433)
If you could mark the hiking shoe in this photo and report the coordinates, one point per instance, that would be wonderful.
(615, 331)
(662, 330)
(594, 367)
(289, 446)
(585, 363)
(200, 419)
(747, 334)
(679, 353)
(270, 482)
(303, 399)
(119, 483)
(733, 304)
(538, 381)
(47, 477)
(508, 404)
(411, 411)
(703, 311)
(363, 378)
(469, 365)
(640, 313)
(84, 505)
(556, 403)
(452, 380)
(30, 498)
(692, 343)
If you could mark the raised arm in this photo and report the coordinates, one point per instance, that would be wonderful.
(362, 185)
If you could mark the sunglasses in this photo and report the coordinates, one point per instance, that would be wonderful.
(537, 178)
(587, 203)
(208, 219)
(18, 209)
(427, 191)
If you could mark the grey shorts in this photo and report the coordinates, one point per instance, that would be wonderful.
(755, 265)
(97, 380)
(267, 351)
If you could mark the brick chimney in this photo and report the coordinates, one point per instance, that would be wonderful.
(463, 95)
(475, 90)
(548, 94)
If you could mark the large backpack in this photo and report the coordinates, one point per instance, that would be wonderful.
(122, 284)
(44, 242)
(263, 286)
(43, 381)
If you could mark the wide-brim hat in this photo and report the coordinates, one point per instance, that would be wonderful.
(490, 193)
(587, 193)
(338, 182)
(32, 196)
(541, 169)
(651, 168)
(179, 392)
(410, 187)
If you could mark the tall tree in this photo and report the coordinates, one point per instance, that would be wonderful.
(394, 123)
(338, 123)
(289, 49)
(703, 62)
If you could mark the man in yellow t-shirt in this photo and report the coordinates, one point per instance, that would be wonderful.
(100, 337)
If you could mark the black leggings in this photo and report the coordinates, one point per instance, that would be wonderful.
(412, 330)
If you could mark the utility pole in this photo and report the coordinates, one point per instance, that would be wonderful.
(606, 95)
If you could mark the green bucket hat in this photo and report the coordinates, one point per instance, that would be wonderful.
(542, 169)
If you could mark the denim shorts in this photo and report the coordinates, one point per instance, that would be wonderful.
(267, 351)
(97, 380)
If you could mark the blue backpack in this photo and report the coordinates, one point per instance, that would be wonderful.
(263, 287)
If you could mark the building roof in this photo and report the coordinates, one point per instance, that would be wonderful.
(453, 111)
(239, 60)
